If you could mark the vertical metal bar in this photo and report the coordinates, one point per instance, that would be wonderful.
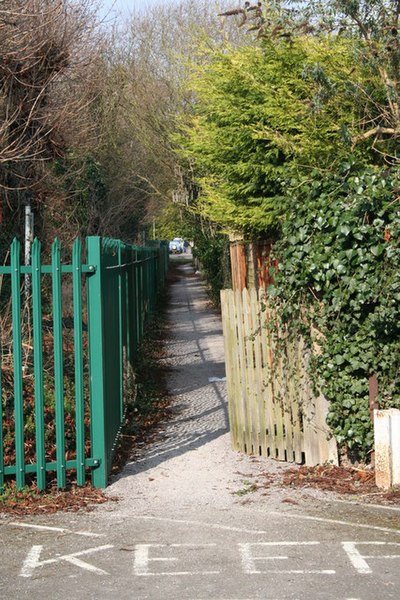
(145, 277)
(17, 352)
(146, 284)
(1, 418)
(144, 289)
(128, 306)
(58, 364)
(157, 259)
(38, 365)
(141, 295)
(131, 307)
(96, 362)
(155, 278)
(121, 330)
(141, 291)
(78, 350)
(151, 281)
(166, 252)
(137, 301)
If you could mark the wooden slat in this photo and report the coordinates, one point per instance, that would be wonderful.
(265, 316)
(235, 373)
(272, 408)
(327, 444)
(290, 400)
(279, 395)
(259, 382)
(244, 387)
(311, 442)
(251, 374)
(296, 411)
(228, 326)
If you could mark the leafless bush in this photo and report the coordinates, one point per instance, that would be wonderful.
(47, 49)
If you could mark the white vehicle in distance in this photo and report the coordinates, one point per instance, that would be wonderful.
(177, 246)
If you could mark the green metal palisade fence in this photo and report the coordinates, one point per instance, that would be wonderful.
(114, 292)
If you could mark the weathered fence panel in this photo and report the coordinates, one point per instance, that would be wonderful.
(272, 409)
(72, 408)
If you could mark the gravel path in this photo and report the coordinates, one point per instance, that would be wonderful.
(192, 464)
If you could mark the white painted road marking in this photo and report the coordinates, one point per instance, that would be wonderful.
(55, 529)
(249, 560)
(334, 522)
(263, 532)
(33, 561)
(149, 558)
(358, 560)
(142, 560)
(201, 524)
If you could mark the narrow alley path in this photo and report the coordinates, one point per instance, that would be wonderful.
(194, 520)
(191, 464)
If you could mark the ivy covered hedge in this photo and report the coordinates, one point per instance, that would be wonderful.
(339, 284)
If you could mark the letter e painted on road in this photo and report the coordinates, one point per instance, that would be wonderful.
(250, 557)
(358, 560)
(144, 564)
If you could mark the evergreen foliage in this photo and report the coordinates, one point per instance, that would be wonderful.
(263, 114)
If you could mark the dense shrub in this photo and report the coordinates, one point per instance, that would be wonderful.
(340, 276)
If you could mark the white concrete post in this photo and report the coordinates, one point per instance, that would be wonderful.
(387, 448)
(29, 220)
(395, 438)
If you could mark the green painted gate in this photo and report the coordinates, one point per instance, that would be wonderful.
(92, 314)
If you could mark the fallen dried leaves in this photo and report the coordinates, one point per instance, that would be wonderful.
(342, 480)
(30, 501)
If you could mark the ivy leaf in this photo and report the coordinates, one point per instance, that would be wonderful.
(377, 250)
(345, 230)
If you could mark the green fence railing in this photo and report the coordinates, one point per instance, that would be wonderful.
(70, 333)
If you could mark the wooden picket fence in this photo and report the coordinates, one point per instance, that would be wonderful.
(272, 408)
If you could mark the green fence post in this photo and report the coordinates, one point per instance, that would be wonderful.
(17, 352)
(58, 364)
(141, 294)
(78, 351)
(38, 364)
(146, 284)
(96, 361)
(121, 325)
(130, 308)
(1, 421)
(137, 300)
